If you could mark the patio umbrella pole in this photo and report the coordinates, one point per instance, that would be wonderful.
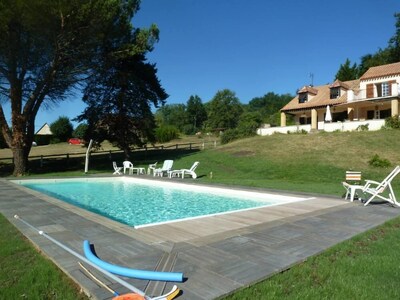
(108, 274)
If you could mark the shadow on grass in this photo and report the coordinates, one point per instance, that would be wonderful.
(98, 163)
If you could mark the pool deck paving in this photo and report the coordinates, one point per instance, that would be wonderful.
(217, 254)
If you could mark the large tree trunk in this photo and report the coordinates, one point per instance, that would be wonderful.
(21, 144)
(20, 161)
(127, 153)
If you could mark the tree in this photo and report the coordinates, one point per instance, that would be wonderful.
(248, 123)
(119, 100)
(224, 110)
(196, 113)
(62, 129)
(388, 55)
(394, 42)
(172, 114)
(382, 57)
(268, 106)
(80, 131)
(347, 72)
(47, 48)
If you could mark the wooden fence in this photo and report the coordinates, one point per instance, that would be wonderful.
(110, 153)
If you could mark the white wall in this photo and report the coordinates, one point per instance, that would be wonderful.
(373, 125)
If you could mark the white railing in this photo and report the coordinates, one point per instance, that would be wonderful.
(373, 125)
(285, 129)
(362, 94)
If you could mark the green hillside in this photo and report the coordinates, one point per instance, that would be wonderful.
(310, 163)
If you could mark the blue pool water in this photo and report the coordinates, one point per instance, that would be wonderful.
(140, 202)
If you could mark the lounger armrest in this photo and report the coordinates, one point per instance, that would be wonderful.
(369, 182)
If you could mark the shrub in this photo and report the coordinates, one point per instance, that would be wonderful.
(80, 131)
(166, 133)
(392, 122)
(376, 161)
(61, 129)
(364, 127)
(229, 135)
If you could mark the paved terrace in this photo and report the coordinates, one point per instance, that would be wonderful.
(216, 254)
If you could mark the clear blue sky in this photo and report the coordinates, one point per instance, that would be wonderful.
(254, 47)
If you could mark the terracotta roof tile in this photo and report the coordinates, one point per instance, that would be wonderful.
(322, 98)
(339, 83)
(308, 89)
(380, 71)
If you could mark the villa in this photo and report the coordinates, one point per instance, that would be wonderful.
(346, 105)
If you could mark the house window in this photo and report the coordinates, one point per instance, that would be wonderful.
(335, 92)
(383, 89)
(303, 97)
(385, 113)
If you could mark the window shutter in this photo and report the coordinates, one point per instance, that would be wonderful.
(370, 90)
(390, 86)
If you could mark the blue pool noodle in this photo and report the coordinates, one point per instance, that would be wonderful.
(133, 273)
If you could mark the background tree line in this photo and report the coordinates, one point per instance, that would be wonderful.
(389, 54)
(224, 113)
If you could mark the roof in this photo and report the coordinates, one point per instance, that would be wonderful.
(381, 71)
(322, 97)
(339, 83)
(308, 89)
(44, 130)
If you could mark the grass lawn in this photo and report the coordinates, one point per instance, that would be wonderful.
(363, 268)
(26, 274)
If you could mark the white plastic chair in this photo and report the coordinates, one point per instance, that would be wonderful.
(166, 168)
(183, 172)
(127, 165)
(351, 184)
(381, 189)
(151, 168)
(117, 170)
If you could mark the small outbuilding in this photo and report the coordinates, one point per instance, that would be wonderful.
(43, 135)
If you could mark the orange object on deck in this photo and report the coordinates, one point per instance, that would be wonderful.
(131, 296)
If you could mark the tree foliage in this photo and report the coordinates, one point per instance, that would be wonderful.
(196, 113)
(47, 48)
(188, 118)
(62, 129)
(347, 72)
(119, 100)
(268, 105)
(80, 131)
(224, 110)
(173, 115)
(388, 55)
(166, 133)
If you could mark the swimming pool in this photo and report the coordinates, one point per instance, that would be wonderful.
(140, 202)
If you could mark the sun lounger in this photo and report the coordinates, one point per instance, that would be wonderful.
(166, 167)
(183, 172)
(382, 190)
